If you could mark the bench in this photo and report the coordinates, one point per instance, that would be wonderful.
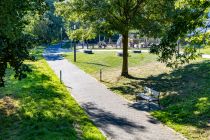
(88, 51)
(149, 95)
(136, 51)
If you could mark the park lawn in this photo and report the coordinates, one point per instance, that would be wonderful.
(92, 63)
(39, 107)
(185, 91)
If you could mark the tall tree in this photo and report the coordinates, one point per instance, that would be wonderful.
(14, 40)
(153, 18)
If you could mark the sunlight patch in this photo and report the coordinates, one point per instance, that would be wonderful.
(8, 106)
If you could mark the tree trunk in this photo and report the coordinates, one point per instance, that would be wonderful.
(125, 55)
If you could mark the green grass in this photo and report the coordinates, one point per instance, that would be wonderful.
(206, 50)
(185, 91)
(92, 63)
(39, 107)
(187, 103)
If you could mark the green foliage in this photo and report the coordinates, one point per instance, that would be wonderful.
(115, 16)
(184, 19)
(14, 41)
(48, 27)
(81, 33)
(39, 107)
(167, 20)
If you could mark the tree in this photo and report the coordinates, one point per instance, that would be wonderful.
(81, 31)
(14, 40)
(153, 18)
(185, 21)
(48, 26)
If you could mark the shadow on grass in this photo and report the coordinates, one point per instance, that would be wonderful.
(186, 94)
(96, 64)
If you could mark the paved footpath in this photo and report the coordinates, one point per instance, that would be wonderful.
(113, 115)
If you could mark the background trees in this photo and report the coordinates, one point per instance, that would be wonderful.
(167, 20)
(24, 24)
(47, 28)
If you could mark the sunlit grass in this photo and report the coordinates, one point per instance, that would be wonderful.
(92, 63)
(39, 107)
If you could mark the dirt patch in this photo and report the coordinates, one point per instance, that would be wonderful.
(8, 106)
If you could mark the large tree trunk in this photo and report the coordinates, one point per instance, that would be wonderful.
(125, 55)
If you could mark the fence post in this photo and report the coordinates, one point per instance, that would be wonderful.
(60, 76)
(100, 74)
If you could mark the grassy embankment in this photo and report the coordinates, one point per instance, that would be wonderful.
(39, 107)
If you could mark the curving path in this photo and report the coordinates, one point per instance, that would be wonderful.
(114, 116)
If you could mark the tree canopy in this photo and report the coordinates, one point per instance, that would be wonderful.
(164, 19)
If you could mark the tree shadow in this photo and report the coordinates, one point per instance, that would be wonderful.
(144, 106)
(129, 88)
(53, 57)
(185, 94)
(97, 64)
(104, 119)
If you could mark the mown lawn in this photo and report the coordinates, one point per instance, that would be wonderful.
(92, 63)
(39, 107)
(185, 91)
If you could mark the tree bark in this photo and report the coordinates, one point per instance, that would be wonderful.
(125, 55)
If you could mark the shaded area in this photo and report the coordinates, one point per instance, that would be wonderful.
(54, 52)
(144, 106)
(97, 64)
(53, 57)
(104, 119)
(57, 48)
(185, 96)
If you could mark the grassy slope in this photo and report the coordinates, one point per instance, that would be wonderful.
(187, 105)
(39, 107)
(186, 101)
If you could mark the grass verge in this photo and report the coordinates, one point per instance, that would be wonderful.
(39, 107)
